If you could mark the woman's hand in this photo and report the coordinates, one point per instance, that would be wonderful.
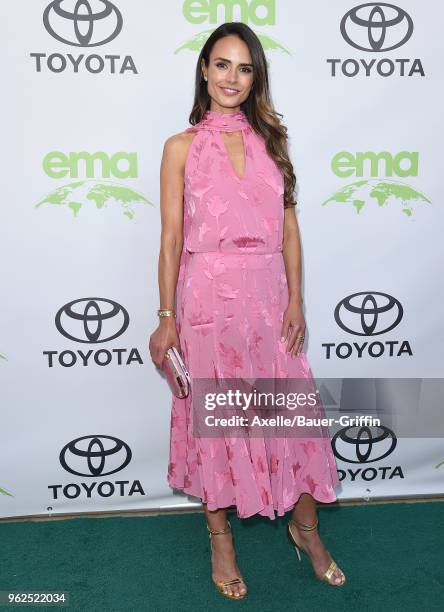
(162, 339)
(293, 326)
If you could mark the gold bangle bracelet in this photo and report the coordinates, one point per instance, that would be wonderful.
(166, 312)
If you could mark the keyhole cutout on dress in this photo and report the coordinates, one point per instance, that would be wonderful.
(235, 151)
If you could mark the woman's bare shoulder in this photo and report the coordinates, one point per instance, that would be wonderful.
(175, 150)
(178, 144)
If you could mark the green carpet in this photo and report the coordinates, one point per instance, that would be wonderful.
(391, 554)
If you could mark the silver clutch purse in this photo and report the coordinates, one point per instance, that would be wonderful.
(176, 373)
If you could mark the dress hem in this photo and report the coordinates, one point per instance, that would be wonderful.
(262, 511)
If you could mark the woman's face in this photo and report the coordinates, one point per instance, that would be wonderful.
(229, 74)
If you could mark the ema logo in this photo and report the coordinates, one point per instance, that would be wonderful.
(101, 193)
(368, 313)
(376, 27)
(380, 192)
(256, 12)
(83, 23)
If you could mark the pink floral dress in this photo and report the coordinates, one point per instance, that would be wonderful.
(230, 299)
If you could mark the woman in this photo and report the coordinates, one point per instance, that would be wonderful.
(230, 255)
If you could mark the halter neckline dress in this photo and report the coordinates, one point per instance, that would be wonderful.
(230, 298)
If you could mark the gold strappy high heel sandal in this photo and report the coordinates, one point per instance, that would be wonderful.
(221, 584)
(328, 575)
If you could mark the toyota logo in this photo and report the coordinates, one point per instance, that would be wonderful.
(364, 447)
(368, 313)
(92, 320)
(95, 456)
(83, 27)
(376, 26)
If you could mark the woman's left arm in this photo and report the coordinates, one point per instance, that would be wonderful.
(293, 320)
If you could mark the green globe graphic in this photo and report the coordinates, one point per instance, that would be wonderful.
(380, 192)
(5, 492)
(198, 40)
(74, 195)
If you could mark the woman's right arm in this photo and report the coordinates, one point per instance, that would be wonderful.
(171, 241)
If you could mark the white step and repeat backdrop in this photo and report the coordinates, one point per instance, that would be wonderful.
(92, 89)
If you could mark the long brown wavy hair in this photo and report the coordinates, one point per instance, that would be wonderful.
(258, 107)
